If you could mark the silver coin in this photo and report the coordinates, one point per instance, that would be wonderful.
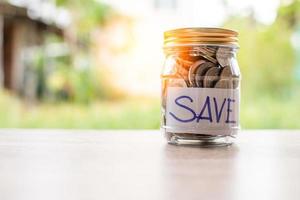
(192, 72)
(224, 83)
(200, 72)
(226, 72)
(212, 49)
(204, 51)
(210, 58)
(224, 51)
(235, 83)
(234, 67)
(207, 53)
(208, 50)
(211, 77)
(224, 55)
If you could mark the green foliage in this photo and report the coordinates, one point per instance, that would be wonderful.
(71, 80)
(269, 112)
(289, 14)
(79, 84)
(270, 93)
(126, 114)
(87, 15)
(266, 58)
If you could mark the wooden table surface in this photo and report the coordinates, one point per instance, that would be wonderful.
(104, 165)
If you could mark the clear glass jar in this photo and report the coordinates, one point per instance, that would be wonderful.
(200, 87)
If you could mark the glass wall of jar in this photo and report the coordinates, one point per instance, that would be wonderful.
(200, 87)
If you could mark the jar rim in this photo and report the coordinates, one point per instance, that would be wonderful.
(200, 36)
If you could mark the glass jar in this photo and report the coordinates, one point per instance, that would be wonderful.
(200, 87)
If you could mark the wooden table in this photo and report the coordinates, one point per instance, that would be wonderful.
(105, 165)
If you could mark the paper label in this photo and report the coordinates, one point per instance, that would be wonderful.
(189, 110)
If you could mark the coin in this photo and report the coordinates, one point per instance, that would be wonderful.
(226, 72)
(183, 73)
(200, 72)
(163, 115)
(211, 49)
(208, 53)
(224, 83)
(210, 58)
(184, 63)
(189, 55)
(178, 82)
(224, 55)
(234, 67)
(235, 82)
(211, 77)
(192, 72)
(181, 70)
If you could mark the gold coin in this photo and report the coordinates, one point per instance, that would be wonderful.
(184, 63)
(182, 71)
(178, 82)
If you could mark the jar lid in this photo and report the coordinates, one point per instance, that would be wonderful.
(200, 36)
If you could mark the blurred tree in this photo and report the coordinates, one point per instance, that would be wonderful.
(290, 13)
(296, 45)
(82, 80)
(266, 58)
(87, 16)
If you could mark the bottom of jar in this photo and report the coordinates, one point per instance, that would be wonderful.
(201, 140)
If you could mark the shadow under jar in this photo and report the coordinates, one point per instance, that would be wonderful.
(200, 87)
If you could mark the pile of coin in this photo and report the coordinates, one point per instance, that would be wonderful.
(205, 67)
(201, 67)
(202, 61)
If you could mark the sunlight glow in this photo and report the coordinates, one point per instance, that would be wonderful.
(138, 70)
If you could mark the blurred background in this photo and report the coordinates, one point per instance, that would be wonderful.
(96, 63)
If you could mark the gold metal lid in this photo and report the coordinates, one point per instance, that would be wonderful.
(200, 36)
